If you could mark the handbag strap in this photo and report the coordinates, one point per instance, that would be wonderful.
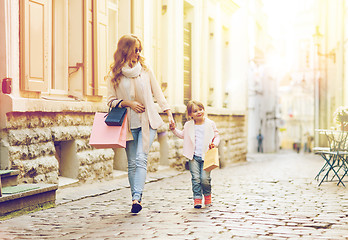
(115, 106)
(118, 103)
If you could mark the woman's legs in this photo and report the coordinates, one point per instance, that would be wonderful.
(132, 156)
(137, 162)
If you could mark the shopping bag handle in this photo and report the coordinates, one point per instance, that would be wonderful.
(212, 142)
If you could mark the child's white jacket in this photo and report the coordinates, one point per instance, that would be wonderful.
(188, 134)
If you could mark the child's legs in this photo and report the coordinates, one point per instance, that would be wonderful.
(206, 182)
(195, 169)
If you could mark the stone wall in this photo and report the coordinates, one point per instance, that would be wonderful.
(44, 146)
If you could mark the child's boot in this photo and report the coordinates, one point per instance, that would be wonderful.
(197, 203)
(207, 201)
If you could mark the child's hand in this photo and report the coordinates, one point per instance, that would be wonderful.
(172, 126)
(212, 145)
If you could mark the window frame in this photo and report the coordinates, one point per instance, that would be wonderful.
(28, 82)
(55, 50)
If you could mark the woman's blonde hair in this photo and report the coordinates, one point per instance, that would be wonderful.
(190, 105)
(125, 48)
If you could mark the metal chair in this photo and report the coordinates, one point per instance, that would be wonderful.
(335, 156)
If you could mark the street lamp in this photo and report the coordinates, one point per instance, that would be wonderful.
(317, 37)
(320, 94)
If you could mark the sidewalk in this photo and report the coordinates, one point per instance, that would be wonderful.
(74, 193)
(120, 181)
(271, 196)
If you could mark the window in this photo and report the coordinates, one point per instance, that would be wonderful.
(59, 80)
(188, 19)
(211, 63)
(100, 46)
(225, 66)
(113, 27)
(35, 46)
(67, 46)
(187, 63)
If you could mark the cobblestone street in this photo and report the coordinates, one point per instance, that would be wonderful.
(272, 196)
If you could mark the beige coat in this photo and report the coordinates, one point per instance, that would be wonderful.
(143, 88)
(188, 134)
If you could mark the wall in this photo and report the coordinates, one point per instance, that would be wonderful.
(44, 146)
(232, 148)
(36, 142)
(46, 135)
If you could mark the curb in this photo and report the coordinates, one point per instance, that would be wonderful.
(85, 190)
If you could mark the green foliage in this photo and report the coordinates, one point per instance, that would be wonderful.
(28, 210)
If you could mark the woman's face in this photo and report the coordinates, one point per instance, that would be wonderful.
(134, 57)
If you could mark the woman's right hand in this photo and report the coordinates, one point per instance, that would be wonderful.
(137, 107)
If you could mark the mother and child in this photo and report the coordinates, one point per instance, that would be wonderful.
(132, 84)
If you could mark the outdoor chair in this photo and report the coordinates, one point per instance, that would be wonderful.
(335, 156)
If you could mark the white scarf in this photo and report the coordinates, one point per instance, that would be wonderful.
(132, 72)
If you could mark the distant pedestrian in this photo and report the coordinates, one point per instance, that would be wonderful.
(199, 134)
(297, 146)
(133, 84)
(259, 142)
(308, 142)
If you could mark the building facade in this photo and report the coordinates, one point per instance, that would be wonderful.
(262, 84)
(297, 88)
(330, 43)
(54, 56)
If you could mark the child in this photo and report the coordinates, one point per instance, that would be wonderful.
(199, 134)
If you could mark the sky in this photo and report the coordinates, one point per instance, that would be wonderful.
(280, 15)
(280, 25)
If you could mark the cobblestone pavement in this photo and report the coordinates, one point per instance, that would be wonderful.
(272, 196)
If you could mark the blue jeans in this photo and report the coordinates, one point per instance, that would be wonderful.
(137, 162)
(200, 179)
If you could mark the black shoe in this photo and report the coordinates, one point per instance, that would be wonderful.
(197, 203)
(198, 206)
(136, 207)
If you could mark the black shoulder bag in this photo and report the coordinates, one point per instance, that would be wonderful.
(115, 116)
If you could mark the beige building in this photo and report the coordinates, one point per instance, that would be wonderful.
(330, 43)
(297, 87)
(262, 84)
(54, 55)
(321, 71)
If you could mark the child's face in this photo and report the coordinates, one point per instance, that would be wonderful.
(197, 113)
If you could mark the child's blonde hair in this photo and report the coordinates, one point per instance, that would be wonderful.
(190, 105)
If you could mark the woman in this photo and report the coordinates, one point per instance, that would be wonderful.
(134, 84)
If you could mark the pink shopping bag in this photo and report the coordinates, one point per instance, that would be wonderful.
(104, 136)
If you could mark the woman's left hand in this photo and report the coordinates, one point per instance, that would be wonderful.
(212, 145)
(170, 118)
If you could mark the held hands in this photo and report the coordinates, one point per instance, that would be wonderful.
(170, 120)
(172, 126)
